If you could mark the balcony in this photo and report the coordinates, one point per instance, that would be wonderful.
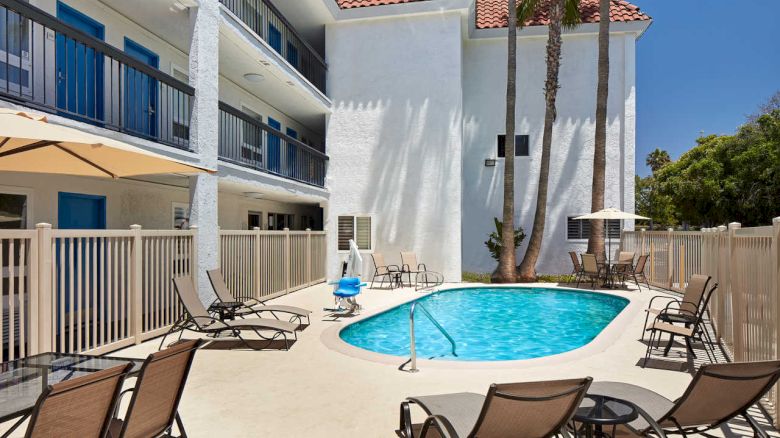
(253, 144)
(270, 25)
(50, 66)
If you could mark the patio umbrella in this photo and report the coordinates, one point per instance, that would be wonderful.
(29, 143)
(607, 214)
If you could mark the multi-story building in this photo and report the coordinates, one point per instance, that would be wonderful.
(407, 95)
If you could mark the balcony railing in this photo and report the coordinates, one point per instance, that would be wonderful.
(246, 141)
(51, 66)
(269, 24)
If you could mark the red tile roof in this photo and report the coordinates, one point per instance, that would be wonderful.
(492, 13)
(350, 4)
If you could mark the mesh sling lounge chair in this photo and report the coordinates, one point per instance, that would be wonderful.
(693, 326)
(590, 269)
(688, 305)
(717, 394)
(524, 410)
(80, 407)
(253, 306)
(410, 266)
(155, 398)
(576, 267)
(383, 271)
(196, 318)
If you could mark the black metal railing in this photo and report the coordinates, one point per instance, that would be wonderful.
(269, 24)
(51, 66)
(246, 141)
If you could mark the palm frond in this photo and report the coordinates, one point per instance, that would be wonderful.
(571, 14)
(526, 9)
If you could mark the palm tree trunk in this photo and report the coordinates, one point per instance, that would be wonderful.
(505, 273)
(596, 239)
(527, 269)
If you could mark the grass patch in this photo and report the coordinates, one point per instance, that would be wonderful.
(475, 277)
(478, 277)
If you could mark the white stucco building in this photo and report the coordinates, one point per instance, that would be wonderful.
(370, 119)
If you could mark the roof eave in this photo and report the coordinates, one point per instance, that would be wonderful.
(637, 27)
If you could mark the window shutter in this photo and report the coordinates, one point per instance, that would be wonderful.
(572, 228)
(363, 232)
(346, 231)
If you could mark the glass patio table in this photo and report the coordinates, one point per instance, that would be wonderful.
(23, 380)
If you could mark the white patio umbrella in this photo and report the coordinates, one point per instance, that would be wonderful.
(607, 214)
(29, 143)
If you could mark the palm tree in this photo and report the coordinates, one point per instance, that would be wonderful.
(596, 238)
(560, 13)
(657, 159)
(505, 272)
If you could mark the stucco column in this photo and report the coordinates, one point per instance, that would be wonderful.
(204, 137)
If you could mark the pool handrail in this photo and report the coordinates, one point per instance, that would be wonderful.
(412, 347)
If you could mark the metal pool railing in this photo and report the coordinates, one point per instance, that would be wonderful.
(412, 346)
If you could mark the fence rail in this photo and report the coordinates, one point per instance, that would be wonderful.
(288, 261)
(745, 262)
(262, 18)
(52, 66)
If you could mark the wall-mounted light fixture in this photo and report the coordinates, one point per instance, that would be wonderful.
(490, 162)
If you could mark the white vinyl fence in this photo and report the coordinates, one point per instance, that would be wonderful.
(289, 260)
(100, 290)
(745, 262)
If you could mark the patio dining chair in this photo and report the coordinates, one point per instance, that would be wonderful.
(196, 318)
(692, 328)
(576, 266)
(80, 407)
(591, 269)
(253, 306)
(383, 271)
(154, 405)
(624, 265)
(717, 394)
(409, 265)
(528, 409)
(637, 272)
(688, 304)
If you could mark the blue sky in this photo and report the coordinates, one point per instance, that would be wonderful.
(702, 67)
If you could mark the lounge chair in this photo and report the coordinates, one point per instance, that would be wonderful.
(576, 267)
(590, 269)
(410, 266)
(537, 409)
(638, 272)
(154, 405)
(253, 306)
(383, 271)
(717, 394)
(80, 407)
(692, 329)
(196, 318)
(688, 305)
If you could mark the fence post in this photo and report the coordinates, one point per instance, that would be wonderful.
(41, 305)
(287, 256)
(136, 284)
(641, 241)
(309, 280)
(736, 298)
(775, 282)
(669, 257)
(256, 271)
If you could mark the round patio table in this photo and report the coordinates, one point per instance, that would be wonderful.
(597, 411)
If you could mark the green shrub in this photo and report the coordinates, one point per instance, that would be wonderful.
(495, 242)
(476, 277)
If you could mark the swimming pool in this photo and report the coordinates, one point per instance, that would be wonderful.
(490, 323)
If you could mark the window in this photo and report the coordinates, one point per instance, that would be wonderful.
(580, 229)
(15, 62)
(13, 211)
(280, 221)
(180, 122)
(252, 149)
(521, 145)
(254, 219)
(181, 216)
(357, 228)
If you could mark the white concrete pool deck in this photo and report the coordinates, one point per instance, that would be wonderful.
(315, 391)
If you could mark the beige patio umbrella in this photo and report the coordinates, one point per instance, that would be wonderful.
(608, 214)
(29, 143)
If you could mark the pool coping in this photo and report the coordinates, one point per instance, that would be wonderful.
(331, 339)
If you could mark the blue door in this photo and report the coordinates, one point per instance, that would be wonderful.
(274, 147)
(292, 54)
(274, 38)
(79, 68)
(292, 152)
(140, 91)
(77, 211)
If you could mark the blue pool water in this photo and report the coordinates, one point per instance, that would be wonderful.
(491, 324)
